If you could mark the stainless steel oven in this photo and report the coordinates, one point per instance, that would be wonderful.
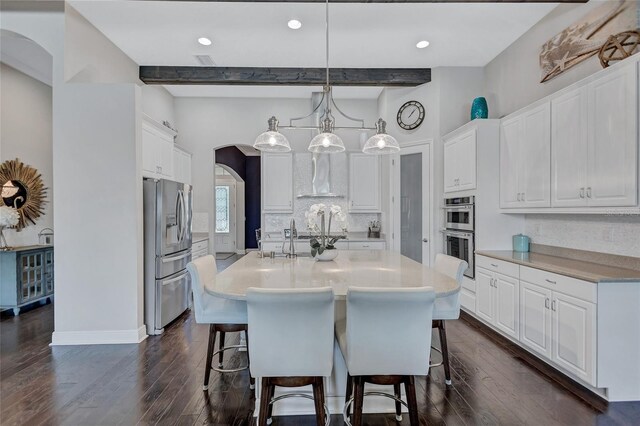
(459, 213)
(460, 244)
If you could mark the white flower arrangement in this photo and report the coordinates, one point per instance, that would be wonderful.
(8, 217)
(325, 241)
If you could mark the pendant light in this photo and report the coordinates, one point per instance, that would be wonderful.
(272, 140)
(381, 142)
(327, 141)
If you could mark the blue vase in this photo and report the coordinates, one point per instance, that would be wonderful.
(479, 108)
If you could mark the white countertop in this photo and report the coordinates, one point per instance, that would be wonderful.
(361, 268)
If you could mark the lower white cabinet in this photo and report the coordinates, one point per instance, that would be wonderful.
(199, 249)
(497, 300)
(559, 327)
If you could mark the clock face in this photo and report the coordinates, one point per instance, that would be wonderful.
(410, 115)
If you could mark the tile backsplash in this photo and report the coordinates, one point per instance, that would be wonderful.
(356, 222)
(600, 233)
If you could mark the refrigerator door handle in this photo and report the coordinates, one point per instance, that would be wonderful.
(174, 258)
(172, 280)
(183, 216)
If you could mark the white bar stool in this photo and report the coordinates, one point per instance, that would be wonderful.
(291, 344)
(222, 315)
(447, 308)
(374, 314)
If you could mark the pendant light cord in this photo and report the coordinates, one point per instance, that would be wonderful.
(327, 38)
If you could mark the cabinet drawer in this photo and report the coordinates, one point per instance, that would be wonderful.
(374, 245)
(267, 247)
(500, 266)
(200, 245)
(199, 253)
(468, 300)
(571, 286)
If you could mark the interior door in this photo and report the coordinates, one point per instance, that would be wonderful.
(411, 203)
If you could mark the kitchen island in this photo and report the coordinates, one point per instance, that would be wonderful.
(352, 268)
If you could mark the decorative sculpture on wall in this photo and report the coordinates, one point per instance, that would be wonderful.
(618, 47)
(585, 38)
(23, 189)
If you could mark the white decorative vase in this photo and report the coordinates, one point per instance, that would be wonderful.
(327, 255)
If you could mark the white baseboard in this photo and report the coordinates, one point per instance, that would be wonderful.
(100, 337)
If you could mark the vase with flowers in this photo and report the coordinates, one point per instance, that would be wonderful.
(9, 217)
(323, 243)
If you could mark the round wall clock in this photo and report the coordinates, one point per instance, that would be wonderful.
(410, 115)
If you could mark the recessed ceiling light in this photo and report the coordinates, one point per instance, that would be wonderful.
(422, 44)
(204, 41)
(294, 24)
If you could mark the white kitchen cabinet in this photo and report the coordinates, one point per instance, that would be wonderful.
(157, 150)
(594, 143)
(364, 183)
(573, 335)
(535, 321)
(525, 158)
(460, 162)
(181, 166)
(559, 327)
(367, 245)
(613, 139)
(277, 183)
(569, 149)
(497, 300)
(199, 249)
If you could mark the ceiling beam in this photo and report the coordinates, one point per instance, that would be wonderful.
(385, 1)
(248, 76)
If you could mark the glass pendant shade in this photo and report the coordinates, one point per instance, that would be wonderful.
(381, 143)
(272, 140)
(326, 142)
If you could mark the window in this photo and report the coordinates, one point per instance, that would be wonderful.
(222, 208)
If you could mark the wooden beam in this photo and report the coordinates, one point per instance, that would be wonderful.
(384, 1)
(407, 77)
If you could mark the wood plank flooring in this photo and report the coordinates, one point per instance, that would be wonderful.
(159, 382)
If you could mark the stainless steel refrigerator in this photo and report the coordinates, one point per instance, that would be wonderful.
(167, 250)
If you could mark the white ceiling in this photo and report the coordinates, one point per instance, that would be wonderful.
(361, 34)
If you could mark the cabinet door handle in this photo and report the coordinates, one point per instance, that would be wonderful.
(494, 265)
(518, 196)
(546, 303)
(589, 192)
(582, 192)
(553, 305)
(550, 281)
(523, 197)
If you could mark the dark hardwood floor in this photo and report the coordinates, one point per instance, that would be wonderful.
(160, 382)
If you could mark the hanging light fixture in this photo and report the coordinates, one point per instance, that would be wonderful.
(381, 142)
(327, 141)
(272, 140)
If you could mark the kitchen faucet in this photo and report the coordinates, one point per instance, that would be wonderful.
(292, 246)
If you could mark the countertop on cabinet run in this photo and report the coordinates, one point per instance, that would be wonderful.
(587, 271)
(199, 236)
(356, 237)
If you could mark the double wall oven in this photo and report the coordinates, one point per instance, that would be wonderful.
(459, 230)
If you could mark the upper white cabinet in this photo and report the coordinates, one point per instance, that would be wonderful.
(157, 150)
(613, 139)
(594, 143)
(277, 183)
(181, 166)
(525, 153)
(460, 162)
(364, 183)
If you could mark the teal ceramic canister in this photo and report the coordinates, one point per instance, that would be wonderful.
(521, 243)
(479, 108)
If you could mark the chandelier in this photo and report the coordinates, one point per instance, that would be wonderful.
(327, 141)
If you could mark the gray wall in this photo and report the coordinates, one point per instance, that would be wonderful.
(512, 81)
(26, 133)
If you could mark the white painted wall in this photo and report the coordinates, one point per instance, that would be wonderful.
(158, 104)
(98, 188)
(447, 101)
(512, 81)
(27, 133)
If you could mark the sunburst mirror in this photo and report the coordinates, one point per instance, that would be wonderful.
(23, 189)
